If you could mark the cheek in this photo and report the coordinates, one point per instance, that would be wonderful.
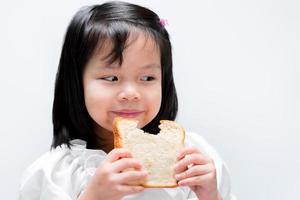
(154, 100)
(97, 100)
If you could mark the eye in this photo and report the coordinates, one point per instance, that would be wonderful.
(110, 78)
(147, 78)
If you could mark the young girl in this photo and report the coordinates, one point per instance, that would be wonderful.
(116, 60)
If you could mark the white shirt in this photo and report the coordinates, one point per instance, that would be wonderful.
(63, 174)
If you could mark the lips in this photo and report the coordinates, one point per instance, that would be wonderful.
(128, 113)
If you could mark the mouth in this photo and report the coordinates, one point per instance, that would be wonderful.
(128, 113)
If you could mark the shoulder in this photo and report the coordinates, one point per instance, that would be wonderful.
(195, 139)
(223, 178)
(61, 172)
(51, 159)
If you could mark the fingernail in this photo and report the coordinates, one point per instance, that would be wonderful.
(181, 183)
(175, 169)
(177, 176)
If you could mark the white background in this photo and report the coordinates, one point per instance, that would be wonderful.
(236, 66)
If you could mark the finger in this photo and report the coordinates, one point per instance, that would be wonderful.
(187, 150)
(126, 190)
(198, 180)
(117, 154)
(195, 170)
(132, 177)
(126, 163)
(191, 159)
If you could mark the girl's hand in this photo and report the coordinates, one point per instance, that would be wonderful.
(198, 172)
(111, 181)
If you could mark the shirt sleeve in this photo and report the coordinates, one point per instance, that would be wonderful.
(59, 174)
(223, 178)
(36, 186)
(38, 181)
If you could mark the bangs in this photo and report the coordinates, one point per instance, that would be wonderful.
(115, 36)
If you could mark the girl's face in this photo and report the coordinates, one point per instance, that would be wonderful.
(132, 90)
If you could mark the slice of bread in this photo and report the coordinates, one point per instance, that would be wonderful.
(157, 153)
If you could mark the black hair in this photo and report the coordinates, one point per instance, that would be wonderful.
(88, 29)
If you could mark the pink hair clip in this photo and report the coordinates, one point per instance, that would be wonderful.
(163, 22)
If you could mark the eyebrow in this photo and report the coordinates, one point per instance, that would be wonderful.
(151, 66)
(148, 66)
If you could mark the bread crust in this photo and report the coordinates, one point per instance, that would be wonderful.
(117, 135)
(118, 144)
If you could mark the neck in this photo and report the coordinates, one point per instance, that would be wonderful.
(103, 139)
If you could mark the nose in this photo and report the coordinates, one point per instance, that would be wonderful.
(129, 92)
